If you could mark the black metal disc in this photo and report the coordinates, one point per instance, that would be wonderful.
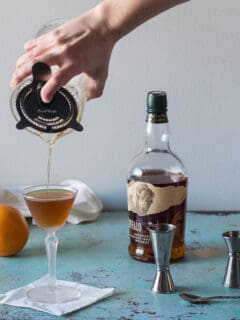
(58, 115)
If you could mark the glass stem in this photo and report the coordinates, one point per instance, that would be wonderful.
(51, 243)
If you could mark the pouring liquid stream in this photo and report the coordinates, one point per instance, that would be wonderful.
(50, 151)
(51, 143)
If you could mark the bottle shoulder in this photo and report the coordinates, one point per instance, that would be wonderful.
(162, 162)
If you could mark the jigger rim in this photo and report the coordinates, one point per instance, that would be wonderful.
(235, 234)
(162, 227)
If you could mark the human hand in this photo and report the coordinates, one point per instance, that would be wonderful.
(81, 45)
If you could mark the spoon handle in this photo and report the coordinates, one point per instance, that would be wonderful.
(223, 297)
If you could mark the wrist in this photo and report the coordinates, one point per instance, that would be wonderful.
(119, 17)
(98, 17)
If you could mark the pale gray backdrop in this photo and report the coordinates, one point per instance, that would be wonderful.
(191, 51)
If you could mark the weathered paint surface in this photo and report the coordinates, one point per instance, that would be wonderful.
(96, 254)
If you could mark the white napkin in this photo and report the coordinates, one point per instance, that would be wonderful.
(89, 295)
(87, 206)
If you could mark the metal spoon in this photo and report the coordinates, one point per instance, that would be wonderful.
(197, 299)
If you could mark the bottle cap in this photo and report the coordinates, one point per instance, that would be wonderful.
(156, 102)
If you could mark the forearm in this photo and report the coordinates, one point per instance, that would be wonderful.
(84, 44)
(122, 16)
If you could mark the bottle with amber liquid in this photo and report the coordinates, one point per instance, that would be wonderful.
(157, 185)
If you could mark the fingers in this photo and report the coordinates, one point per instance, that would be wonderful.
(30, 44)
(20, 74)
(23, 60)
(57, 80)
(96, 86)
(43, 42)
(34, 48)
(25, 67)
(95, 90)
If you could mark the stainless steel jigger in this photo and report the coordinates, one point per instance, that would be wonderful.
(232, 274)
(162, 239)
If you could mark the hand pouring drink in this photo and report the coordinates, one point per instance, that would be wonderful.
(49, 121)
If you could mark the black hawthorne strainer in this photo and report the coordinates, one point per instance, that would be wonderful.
(57, 116)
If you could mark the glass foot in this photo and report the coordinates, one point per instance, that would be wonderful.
(59, 294)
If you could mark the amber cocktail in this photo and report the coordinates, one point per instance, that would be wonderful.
(50, 207)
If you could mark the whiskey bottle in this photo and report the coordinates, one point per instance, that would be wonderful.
(157, 185)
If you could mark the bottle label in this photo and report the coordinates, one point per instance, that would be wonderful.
(152, 204)
(145, 198)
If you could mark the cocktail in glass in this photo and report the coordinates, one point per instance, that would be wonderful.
(50, 207)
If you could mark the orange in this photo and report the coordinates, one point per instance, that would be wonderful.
(14, 231)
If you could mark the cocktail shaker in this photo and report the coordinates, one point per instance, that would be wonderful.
(57, 118)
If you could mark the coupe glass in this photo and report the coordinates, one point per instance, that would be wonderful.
(50, 207)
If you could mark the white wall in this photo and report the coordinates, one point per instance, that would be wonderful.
(191, 51)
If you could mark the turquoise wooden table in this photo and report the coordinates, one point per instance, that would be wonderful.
(96, 254)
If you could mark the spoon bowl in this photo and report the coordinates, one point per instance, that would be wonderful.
(198, 299)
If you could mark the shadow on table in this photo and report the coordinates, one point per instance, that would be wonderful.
(207, 252)
(33, 251)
